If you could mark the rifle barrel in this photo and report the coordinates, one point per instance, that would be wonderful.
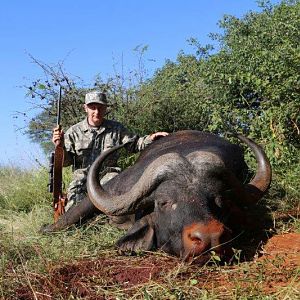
(58, 107)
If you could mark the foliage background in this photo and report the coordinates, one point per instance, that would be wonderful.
(253, 79)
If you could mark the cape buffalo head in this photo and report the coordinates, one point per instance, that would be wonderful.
(185, 192)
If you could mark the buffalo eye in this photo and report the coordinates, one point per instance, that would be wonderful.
(165, 204)
(218, 201)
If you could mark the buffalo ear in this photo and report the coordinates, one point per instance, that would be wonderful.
(141, 236)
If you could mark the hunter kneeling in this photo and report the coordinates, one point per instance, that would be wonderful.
(83, 143)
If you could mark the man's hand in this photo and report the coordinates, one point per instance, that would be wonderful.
(158, 135)
(58, 136)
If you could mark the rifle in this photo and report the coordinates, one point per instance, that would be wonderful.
(55, 184)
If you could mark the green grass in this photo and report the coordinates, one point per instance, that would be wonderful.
(19, 189)
(26, 254)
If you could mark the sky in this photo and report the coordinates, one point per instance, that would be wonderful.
(91, 37)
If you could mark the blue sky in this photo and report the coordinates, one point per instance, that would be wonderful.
(91, 37)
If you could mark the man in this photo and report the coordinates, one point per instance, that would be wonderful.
(84, 141)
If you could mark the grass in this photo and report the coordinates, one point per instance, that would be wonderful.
(29, 259)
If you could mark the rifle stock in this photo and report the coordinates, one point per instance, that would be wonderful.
(56, 166)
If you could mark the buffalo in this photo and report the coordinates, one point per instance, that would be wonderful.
(185, 194)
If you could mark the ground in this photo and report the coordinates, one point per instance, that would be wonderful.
(112, 276)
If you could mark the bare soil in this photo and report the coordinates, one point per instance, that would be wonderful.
(102, 278)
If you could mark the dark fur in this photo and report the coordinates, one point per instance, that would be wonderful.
(194, 191)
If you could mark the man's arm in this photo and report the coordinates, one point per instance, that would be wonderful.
(143, 142)
(140, 142)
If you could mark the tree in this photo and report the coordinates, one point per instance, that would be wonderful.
(175, 98)
(254, 78)
(250, 84)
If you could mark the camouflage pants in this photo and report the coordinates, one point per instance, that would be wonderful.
(77, 189)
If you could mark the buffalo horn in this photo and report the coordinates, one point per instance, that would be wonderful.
(129, 202)
(262, 179)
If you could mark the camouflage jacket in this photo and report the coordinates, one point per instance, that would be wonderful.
(84, 143)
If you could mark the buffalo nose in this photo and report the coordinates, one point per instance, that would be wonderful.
(199, 238)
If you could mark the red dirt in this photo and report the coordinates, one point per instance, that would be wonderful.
(95, 279)
(79, 278)
(286, 246)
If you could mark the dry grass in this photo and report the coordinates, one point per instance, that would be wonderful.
(81, 263)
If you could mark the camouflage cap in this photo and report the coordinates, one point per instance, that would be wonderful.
(96, 97)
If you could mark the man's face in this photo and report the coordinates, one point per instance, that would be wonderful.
(95, 113)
